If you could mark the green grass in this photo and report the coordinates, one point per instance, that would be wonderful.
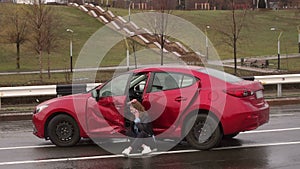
(289, 64)
(256, 40)
(83, 26)
(256, 37)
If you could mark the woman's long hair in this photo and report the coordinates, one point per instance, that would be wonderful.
(138, 105)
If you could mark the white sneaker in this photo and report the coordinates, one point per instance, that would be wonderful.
(126, 151)
(146, 150)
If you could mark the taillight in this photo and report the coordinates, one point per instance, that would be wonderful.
(239, 92)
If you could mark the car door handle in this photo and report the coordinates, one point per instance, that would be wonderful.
(180, 99)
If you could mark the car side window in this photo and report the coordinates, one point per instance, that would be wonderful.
(115, 87)
(187, 81)
(167, 81)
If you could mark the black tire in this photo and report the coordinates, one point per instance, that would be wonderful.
(63, 131)
(205, 132)
(230, 136)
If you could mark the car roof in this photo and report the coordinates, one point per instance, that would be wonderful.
(169, 68)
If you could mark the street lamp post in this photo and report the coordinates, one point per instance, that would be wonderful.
(278, 47)
(206, 41)
(129, 12)
(298, 27)
(71, 49)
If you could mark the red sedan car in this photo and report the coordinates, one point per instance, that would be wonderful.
(199, 104)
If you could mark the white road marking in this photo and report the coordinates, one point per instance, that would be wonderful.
(271, 130)
(155, 153)
(122, 140)
(281, 115)
(26, 147)
(258, 145)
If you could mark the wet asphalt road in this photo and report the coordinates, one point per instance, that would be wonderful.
(274, 145)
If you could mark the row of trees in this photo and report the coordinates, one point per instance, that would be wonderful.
(34, 24)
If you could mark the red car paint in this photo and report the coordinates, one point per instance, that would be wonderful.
(238, 104)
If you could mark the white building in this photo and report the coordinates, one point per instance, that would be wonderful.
(44, 1)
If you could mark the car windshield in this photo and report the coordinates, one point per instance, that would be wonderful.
(221, 75)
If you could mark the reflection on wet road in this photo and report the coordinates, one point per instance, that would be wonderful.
(275, 145)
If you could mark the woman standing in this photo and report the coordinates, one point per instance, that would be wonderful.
(140, 129)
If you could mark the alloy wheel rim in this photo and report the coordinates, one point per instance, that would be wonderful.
(202, 132)
(64, 131)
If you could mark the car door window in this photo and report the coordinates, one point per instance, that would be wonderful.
(137, 86)
(116, 87)
(186, 81)
(168, 81)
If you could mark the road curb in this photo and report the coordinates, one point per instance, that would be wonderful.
(15, 116)
(283, 101)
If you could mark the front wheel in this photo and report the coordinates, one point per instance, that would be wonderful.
(63, 131)
(205, 133)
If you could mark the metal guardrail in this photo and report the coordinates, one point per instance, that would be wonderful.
(279, 80)
(23, 91)
(46, 90)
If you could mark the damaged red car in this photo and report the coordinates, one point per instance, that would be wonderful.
(201, 105)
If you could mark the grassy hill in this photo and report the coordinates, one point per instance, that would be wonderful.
(83, 26)
(256, 39)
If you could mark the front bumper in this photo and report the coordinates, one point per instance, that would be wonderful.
(38, 127)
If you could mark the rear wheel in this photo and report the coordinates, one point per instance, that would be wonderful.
(205, 133)
(63, 131)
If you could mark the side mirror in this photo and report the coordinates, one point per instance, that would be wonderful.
(95, 94)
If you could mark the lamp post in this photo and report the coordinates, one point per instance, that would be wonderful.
(278, 47)
(206, 41)
(71, 49)
(129, 12)
(298, 27)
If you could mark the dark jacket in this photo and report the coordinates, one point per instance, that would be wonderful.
(145, 126)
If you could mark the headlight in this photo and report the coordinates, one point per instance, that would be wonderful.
(41, 108)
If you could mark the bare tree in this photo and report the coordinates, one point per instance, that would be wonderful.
(51, 37)
(236, 24)
(161, 24)
(15, 29)
(43, 25)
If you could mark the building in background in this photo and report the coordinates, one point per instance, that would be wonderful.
(179, 4)
(32, 1)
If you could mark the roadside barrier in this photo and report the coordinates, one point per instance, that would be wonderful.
(278, 80)
(46, 90)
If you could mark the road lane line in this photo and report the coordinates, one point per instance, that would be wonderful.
(26, 147)
(155, 153)
(247, 132)
(281, 115)
(271, 130)
(258, 145)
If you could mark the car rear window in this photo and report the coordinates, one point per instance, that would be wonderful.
(221, 75)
